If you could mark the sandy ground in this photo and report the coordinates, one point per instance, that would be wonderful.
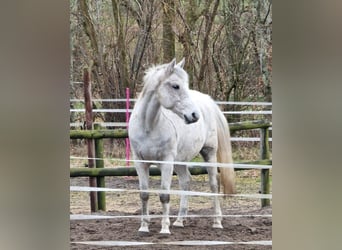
(241, 229)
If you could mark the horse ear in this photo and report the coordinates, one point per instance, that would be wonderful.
(181, 63)
(171, 66)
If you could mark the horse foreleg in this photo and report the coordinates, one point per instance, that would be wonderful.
(166, 178)
(184, 183)
(143, 173)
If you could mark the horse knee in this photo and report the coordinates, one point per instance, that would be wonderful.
(144, 196)
(164, 198)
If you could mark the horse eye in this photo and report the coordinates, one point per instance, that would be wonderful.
(175, 86)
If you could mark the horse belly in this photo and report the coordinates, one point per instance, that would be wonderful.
(190, 143)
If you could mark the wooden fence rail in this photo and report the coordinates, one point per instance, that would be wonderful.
(154, 171)
(123, 133)
(98, 134)
(100, 172)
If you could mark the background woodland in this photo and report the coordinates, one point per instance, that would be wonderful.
(227, 46)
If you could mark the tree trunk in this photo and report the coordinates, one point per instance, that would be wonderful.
(205, 46)
(122, 82)
(121, 61)
(145, 23)
(168, 34)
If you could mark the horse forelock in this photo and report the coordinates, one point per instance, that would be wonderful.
(154, 74)
(151, 77)
(181, 73)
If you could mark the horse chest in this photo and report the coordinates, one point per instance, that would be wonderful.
(152, 147)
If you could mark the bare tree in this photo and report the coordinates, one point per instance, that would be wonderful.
(168, 34)
(227, 45)
(144, 17)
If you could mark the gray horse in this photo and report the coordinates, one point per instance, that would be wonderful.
(172, 123)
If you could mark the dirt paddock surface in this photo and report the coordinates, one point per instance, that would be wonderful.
(236, 229)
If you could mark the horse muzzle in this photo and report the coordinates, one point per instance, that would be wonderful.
(191, 118)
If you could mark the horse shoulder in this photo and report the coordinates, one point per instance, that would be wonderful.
(157, 144)
(208, 108)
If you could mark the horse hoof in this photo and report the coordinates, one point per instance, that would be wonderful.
(143, 234)
(218, 225)
(178, 223)
(163, 236)
(165, 232)
(143, 231)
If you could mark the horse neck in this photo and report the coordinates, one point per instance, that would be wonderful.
(149, 110)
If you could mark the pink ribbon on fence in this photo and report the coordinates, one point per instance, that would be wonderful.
(127, 121)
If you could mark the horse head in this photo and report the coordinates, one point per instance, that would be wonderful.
(173, 92)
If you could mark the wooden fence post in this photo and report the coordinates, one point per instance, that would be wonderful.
(90, 142)
(101, 196)
(265, 173)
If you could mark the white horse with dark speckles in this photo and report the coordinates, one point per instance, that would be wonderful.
(171, 123)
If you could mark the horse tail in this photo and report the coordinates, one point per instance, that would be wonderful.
(224, 154)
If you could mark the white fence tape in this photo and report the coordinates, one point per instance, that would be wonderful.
(104, 100)
(102, 110)
(177, 243)
(213, 243)
(257, 139)
(261, 112)
(102, 124)
(173, 192)
(198, 164)
(218, 102)
(113, 243)
(102, 217)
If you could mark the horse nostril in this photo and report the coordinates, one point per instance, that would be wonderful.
(195, 116)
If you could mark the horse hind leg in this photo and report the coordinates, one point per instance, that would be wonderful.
(209, 155)
(184, 183)
(212, 171)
